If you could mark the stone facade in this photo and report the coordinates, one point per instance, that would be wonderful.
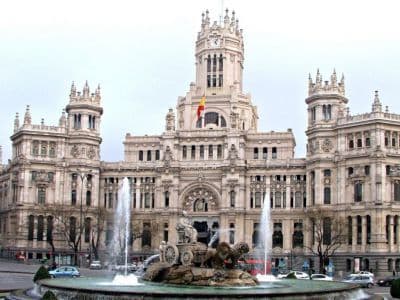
(218, 168)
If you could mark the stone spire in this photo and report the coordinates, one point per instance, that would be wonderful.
(377, 105)
(170, 120)
(63, 120)
(86, 90)
(16, 122)
(27, 117)
(73, 90)
(332, 87)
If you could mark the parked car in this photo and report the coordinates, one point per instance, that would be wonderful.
(121, 268)
(363, 280)
(297, 274)
(66, 271)
(387, 281)
(95, 265)
(321, 277)
(364, 273)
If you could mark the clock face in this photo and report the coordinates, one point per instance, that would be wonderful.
(215, 42)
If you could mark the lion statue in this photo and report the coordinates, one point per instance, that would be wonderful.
(225, 255)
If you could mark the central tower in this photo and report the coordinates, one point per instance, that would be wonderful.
(219, 55)
(219, 58)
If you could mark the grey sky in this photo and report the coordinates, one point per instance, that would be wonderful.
(142, 54)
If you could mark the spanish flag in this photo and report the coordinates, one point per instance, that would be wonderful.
(201, 106)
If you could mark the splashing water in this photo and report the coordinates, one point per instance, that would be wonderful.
(216, 236)
(265, 237)
(121, 231)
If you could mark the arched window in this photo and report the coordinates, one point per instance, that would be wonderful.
(140, 155)
(157, 154)
(73, 197)
(31, 227)
(231, 233)
(297, 238)
(50, 225)
(214, 66)
(146, 235)
(326, 237)
(221, 63)
(209, 63)
(277, 236)
(40, 228)
(166, 199)
(193, 152)
(232, 196)
(327, 195)
(396, 188)
(72, 229)
(87, 229)
(88, 198)
(265, 152)
(349, 230)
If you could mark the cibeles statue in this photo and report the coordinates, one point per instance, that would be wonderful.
(186, 232)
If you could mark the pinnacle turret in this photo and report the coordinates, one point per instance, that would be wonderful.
(332, 87)
(16, 122)
(85, 96)
(376, 105)
(27, 117)
(63, 119)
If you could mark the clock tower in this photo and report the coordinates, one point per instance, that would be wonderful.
(219, 55)
(219, 58)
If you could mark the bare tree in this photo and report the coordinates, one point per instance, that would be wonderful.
(100, 217)
(69, 225)
(328, 230)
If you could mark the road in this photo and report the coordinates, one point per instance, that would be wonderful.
(15, 275)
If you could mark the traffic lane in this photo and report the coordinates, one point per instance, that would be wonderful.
(15, 281)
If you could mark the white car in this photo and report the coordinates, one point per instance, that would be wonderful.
(95, 265)
(321, 277)
(298, 274)
(363, 273)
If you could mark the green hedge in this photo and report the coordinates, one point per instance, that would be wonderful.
(41, 273)
(395, 289)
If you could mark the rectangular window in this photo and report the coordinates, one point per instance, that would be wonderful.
(146, 200)
(327, 195)
(278, 199)
(265, 153)
(255, 153)
(73, 197)
(326, 225)
(193, 152)
(210, 151)
(327, 173)
(157, 154)
(258, 200)
(184, 152)
(366, 170)
(41, 195)
(358, 192)
(219, 151)
(367, 142)
(201, 151)
(274, 153)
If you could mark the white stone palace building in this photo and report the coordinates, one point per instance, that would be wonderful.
(218, 168)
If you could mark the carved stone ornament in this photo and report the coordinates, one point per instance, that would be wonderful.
(75, 151)
(91, 153)
(200, 197)
(327, 145)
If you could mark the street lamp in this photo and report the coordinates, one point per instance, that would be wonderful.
(82, 175)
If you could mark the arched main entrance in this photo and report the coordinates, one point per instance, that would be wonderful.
(201, 202)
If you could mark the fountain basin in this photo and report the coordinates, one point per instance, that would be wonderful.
(102, 288)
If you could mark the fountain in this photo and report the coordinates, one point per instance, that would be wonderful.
(190, 268)
(265, 240)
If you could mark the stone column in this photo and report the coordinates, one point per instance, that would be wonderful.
(397, 233)
(354, 234)
(391, 234)
(287, 200)
(363, 232)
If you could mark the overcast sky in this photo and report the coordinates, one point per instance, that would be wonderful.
(142, 54)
